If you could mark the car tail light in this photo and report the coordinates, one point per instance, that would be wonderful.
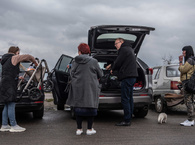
(143, 94)
(101, 95)
(40, 88)
(150, 71)
(38, 102)
(138, 85)
(174, 85)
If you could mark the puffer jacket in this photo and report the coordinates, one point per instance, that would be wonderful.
(10, 72)
(8, 85)
(187, 69)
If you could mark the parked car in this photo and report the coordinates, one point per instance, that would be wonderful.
(26, 103)
(165, 80)
(101, 41)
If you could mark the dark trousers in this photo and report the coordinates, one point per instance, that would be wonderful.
(127, 97)
(79, 120)
(188, 99)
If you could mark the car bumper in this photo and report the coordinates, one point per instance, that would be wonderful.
(27, 105)
(140, 100)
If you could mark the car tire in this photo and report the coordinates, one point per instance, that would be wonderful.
(141, 112)
(60, 106)
(48, 86)
(160, 104)
(38, 114)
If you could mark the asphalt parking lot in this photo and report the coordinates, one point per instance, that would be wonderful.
(57, 127)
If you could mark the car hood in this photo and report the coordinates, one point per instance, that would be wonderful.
(101, 38)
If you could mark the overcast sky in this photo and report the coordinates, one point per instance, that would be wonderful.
(48, 28)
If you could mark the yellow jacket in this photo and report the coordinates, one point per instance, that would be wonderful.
(187, 69)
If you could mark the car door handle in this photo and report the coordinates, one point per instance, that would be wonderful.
(155, 82)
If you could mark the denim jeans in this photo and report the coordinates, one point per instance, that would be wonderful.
(127, 97)
(9, 113)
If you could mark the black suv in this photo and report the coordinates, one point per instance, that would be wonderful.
(101, 41)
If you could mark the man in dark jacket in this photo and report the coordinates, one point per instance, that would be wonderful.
(125, 64)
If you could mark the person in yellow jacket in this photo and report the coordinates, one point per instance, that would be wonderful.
(186, 70)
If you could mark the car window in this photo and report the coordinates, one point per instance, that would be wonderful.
(156, 73)
(62, 65)
(106, 41)
(117, 35)
(25, 64)
(172, 71)
(102, 65)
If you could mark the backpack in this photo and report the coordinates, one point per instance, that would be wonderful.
(190, 84)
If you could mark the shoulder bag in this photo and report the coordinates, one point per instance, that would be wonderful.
(69, 82)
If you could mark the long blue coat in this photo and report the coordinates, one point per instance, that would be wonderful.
(85, 87)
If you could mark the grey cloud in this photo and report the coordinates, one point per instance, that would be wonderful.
(47, 29)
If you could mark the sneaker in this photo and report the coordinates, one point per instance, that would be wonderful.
(90, 132)
(17, 128)
(184, 122)
(79, 132)
(123, 123)
(187, 123)
(5, 128)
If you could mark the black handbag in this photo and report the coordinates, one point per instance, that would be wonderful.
(190, 84)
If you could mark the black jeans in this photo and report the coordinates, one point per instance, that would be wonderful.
(79, 120)
(127, 97)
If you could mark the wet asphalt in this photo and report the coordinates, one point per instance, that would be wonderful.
(58, 128)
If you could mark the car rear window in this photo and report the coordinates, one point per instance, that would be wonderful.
(107, 40)
(117, 35)
(172, 71)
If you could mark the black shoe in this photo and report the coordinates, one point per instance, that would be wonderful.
(123, 123)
